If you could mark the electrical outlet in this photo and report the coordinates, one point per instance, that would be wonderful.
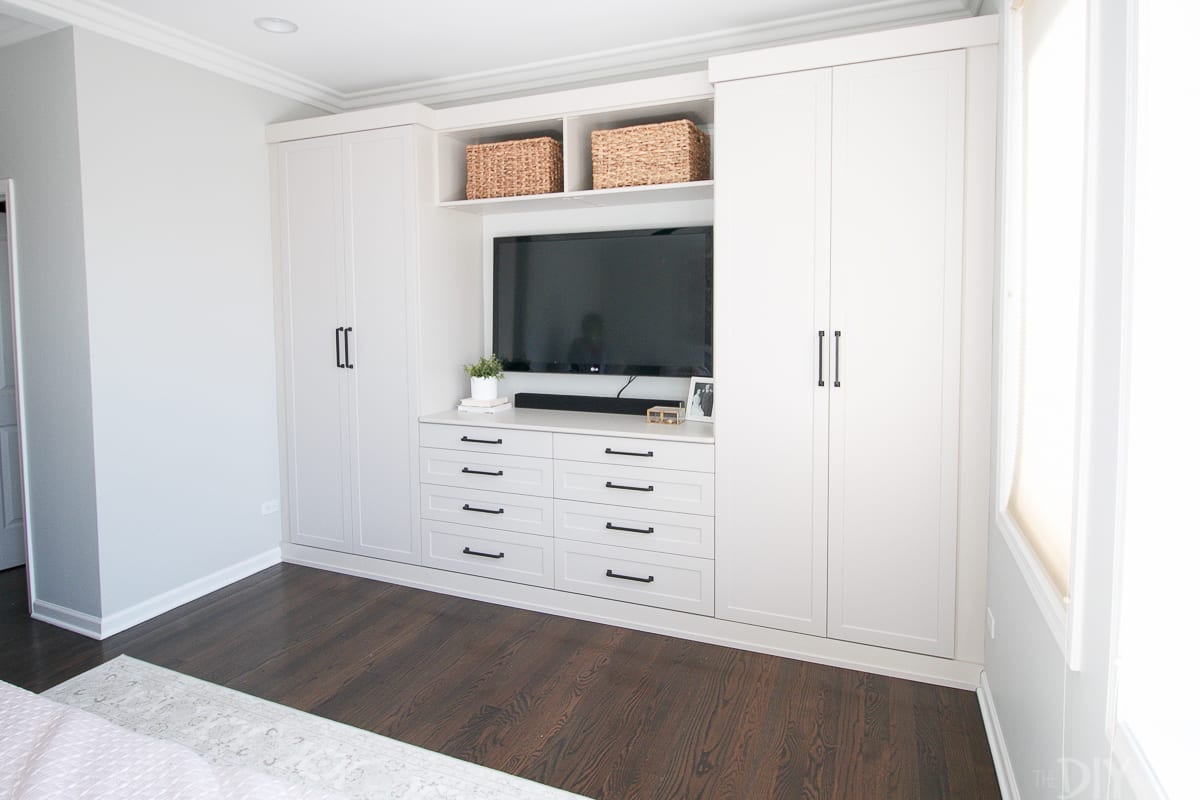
(270, 507)
(991, 623)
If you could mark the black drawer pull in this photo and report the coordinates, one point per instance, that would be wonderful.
(612, 527)
(611, 452)
(469, 552)
(612, 485)
(469, 507)
(612, 574)
(481, 441)
(469, 471)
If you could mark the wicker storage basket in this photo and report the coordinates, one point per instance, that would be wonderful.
(507, 169)
(663, 152)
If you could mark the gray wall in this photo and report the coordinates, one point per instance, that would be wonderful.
(39, 150)
(180, 301)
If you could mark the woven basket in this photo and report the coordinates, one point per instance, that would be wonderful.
(663, 152)
(508, 169)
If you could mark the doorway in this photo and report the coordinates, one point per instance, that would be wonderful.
(12, 498)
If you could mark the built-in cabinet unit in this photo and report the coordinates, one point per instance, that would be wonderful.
(839, 248)
(836, 512)
(349, 242)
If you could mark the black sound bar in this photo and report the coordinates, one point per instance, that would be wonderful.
(583, 402)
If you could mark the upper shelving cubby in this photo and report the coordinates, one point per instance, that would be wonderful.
(575, 115)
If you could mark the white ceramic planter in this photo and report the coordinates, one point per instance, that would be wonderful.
(485, 388)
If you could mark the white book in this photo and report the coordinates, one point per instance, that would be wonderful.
(482, 410)
(473, 403)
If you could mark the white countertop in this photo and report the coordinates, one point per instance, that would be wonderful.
(632, 425)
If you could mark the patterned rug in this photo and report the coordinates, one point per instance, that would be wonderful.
(233, 729)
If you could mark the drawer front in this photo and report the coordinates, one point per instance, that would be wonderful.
(635, 576)
(506, 555)
(537, 444)
(634, 452)
(510, 512)
(641, 529)
(488, 471)
(662, 489)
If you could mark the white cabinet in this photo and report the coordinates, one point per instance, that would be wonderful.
(348, 258)
(839, 221)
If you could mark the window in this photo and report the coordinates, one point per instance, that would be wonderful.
(1044, 278)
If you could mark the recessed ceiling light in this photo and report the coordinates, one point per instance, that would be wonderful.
(276, 25)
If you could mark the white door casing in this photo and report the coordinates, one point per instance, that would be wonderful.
(12, 505)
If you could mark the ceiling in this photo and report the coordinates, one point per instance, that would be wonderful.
(357, 53)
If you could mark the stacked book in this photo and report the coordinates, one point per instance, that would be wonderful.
(473, 406)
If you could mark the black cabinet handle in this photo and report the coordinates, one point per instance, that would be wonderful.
(820, 358)
(469, 507)
(469, 471)
(481, 441)
(469, 552)
(337, 343)
(612, 527)
(611, 452)
(346, 335)
(612, 574)
(612, 485)
(837, 358)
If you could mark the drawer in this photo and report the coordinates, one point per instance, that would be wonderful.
(634, 452)
(651, 579)
(498, 473)
(511, 512)
(641, 529)
(537, 444)
(506, 555)
(663, 489)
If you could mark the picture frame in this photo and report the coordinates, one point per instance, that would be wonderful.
(700, 400)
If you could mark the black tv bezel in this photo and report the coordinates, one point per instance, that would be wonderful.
(704, 371)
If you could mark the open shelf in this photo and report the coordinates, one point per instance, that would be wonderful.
(624, 196)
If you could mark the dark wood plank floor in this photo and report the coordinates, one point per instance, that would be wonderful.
(598, 710)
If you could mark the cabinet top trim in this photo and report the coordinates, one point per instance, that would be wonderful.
(627, 425)
(953, 35)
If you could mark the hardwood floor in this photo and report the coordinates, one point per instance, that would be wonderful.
(598, 710)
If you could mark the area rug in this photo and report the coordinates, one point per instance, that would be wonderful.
(233, 729)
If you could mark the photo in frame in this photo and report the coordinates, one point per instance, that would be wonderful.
(700, 400)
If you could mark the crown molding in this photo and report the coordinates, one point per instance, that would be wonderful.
(15, 29)
(656, 58)
(108, 20)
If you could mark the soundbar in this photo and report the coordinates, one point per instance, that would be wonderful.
(582, 402)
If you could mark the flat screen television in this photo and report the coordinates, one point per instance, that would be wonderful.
(607, 303)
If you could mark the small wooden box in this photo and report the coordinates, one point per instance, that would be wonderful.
(642, 155)
(518, 167)
(664, 415)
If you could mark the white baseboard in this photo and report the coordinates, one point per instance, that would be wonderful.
(160, 604)
(67, 618)
(848, 655)
(995, 735)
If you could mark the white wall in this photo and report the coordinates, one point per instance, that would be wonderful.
(1052, 717)
(39, 150)
(577, 220)
(180, 300)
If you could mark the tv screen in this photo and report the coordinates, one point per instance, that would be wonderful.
(608, 303)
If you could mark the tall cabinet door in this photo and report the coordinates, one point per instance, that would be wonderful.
(382, 414)
(896, 274)
(313, 289)
(772, 296)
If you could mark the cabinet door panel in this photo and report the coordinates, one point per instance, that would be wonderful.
(772, 299)
(896, 253)
(313, 293)
(382, 415)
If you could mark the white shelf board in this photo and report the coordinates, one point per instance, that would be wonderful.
(633, 426)
(624, 196)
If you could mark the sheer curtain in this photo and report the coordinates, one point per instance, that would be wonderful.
(1048, 287)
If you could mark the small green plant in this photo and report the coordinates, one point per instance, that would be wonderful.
(485, 367)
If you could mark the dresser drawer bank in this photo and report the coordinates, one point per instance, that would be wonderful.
(587, 509)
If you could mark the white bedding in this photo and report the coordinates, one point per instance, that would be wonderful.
(49, 750)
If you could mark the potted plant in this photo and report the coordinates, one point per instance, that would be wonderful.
(485, 377)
